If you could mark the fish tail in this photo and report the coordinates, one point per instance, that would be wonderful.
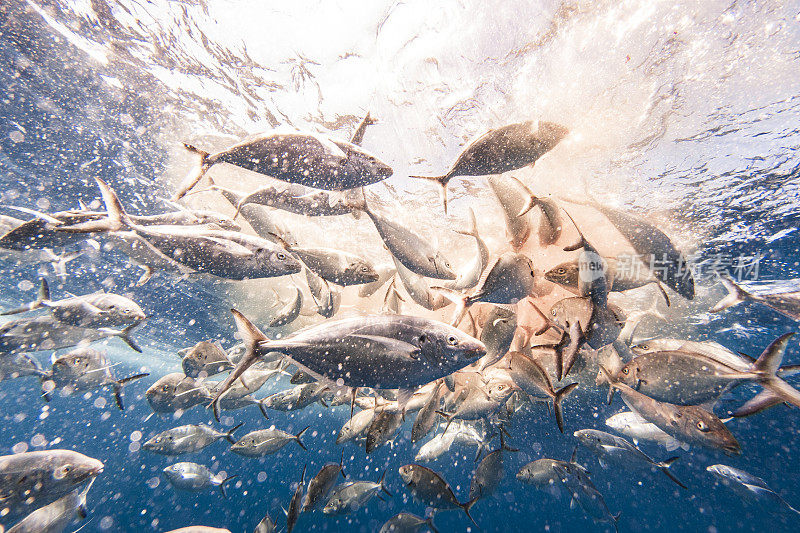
(224, 482)
(467, 506)
(118, 388)
(297, 437)
(664, 467)
(41, 300)
(760, 402)
(125, 336)
(561, 393)
(769, 364)
(116, 218)
(429, 522)
(461, 301)
(735, 296)
(251, 336)
(442, 180)
(503, 444)
(229, 433)
(60, 261)
(472, 231)
(194, 176)
(263, 408)
(382, 483)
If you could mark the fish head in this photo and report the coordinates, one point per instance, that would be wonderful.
(280, 259)
(642, 348)
(361, 270)
(565, 274)
(77, 469)
(705, 427)
(161, 389)
(407, 473)
(442, 267)
(721, 471)
(629, 374)
(221, 221)
(121, 310)
(334, 505)
(448, 344)
(589, 438)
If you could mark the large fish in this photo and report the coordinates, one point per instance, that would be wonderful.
(225, 254)
(430, 489)
(503, 149)
(309, 159)
(57, 516)
(380, 351)
(48, 333)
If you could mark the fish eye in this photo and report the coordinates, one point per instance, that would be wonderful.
(364, 269)
(701, 425)
(643, 346)
(281, 256)
(561, 270)
(452, 340)
(165, 388)
(553, 312)
(625, 371)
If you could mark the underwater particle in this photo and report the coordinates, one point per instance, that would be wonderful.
(25, 285)
(262, 477)
(106, 522)
(134, 447)
(16, 136)
(20, 447)
(136, 436)
(38, 440)
(153, 482)
(99, 402)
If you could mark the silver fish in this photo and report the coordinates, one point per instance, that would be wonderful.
(785, 303)
(266, 525)
(383, 427)
(383, 351)
(187, 439)
(309, 159)
(576, 480)
(471, 275)
(296, 398)
(176, 392)
(57, 516)
(419, 289)
(204, 359)
(748, 485)
(352, 495)
(265, 441)
(489, 472)
(48, 333)
(30, 480)
(385, 273)
(335, 266)
(320, 485)
(427, 416)
(430, 489)
(85, 369)
(356, 425)
(295, 505)
(289, 312)
(513, 197)
(507, 148)
(407, 523)
(497, 334)
(193, 477)
(637, 428)
(608, 447)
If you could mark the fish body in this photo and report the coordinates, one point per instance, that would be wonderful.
(193, 477)
(785, 303)
(205, 359)
(407, 523)
(637, 428)
(430, 489)
(47, 333)
(497, 334)
(57, 516)
(383, 428)
(576, 480)
(264, 442)
(748, 485)
(175, 392)
(296, 398)
(186, 439)
(320, 485)
(356, 425)
(352, 495)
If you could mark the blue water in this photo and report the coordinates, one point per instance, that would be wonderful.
(688, 114)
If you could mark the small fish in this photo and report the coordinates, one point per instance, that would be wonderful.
(18, 365)
(193, 477)
(481, 403)
(295, 504)
(175, 392)
(513, 196)
(510, 147)
(489, 472)
(637, 428)
(747, 485)
(204, 359)
(576, 480)
(407, 523)
(296, 398)
(187, 439)
(266, 525)
(289, 312)
(497, 334)
(430, 489)
(785, 303)
(427, 416)
(541, 473)
(97, 310)
(419, 288)
(609, 447)
(327, 298)
(383, 427)
(85, 369)
(321, 484)
(294, 199)
(356, 426)
(57, 516)
(436, 447)
(309, 159)
(352, 495)
(687, 423)
(30, 480)
(265, 441)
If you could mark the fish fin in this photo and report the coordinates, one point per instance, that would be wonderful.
(461, 301)
(224, 481)
(442, 181)
(118, 387)
(411, 351)
(503, 445)
(770, 360)
(760, 402)
(251, 336)
(429, 523)
(664, 467)
(358, 135)
(561, 393)
(735, 296)
(229, 433)
(195, 175)
(382, 483)
(125, 336)
(660, 287)
(42, 300)
(602, 462)
(297, 437)
(570, 354)
(467, 506)
(116, 217)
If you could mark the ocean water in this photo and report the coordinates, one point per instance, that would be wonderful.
(684, 113)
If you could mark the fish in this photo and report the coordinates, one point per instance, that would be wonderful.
(414, 252)
(688, 378)
(500, 150)
(193, 477)
(47, 333)
(309, 159)
(747, 485)
(436, 447)
(430, 489)
(57, 516)
(481, 403)
(296, 398)
(508, 280)
(288, 312)
(176, 392)
(85, 369)
(785, 303)
(352, 495)
(200, 529)
(426, 417)
(407, 523)
(471, 275)
(295, 504)
(489, 472)
(497, 334)
(187, 439)
(224, 254)
(18, 365)
(687, 423)
(385, 273)
(541, 473)
(295, 199)
(608, 447)
(30, 480)
(637, 428)
(380, 351)
(419, 289)
(266, 525)
(204, 359)
(383, 427)
(97, 310)
(393, 302)
(334, 266)
(321, 484)
(356, 425)
(533, 379)
(567, 275)
(576, 480)
(265, 442)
